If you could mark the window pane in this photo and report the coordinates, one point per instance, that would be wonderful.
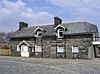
(75, 49)
(39, 33)
(61, 33)
(38, 49)
(60, 49)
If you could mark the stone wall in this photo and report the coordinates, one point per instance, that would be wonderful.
(49, 47)
(84, 45)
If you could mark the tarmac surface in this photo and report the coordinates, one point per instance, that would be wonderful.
(19, 65)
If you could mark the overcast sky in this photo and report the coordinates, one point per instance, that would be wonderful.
(36, 12)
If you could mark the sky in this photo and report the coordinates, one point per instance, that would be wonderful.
(41, 12)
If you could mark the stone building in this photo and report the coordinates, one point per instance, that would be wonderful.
(60, 40)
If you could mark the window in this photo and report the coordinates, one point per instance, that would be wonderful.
(75, 49)
(60, 49)
(39, 33)
(38, 48)
(60, 33)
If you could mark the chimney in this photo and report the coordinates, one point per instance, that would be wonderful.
(57, 21)
(22, 25)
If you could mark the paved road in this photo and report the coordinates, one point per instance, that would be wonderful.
(18, 65)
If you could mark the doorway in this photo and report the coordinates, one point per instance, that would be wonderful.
(24, 51)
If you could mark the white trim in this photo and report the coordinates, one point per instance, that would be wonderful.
(32, 49)
(94, 36)
(24, 42)
(59, 26)
(38, 28)
(18, 49)
(58, 33)
(96, 42)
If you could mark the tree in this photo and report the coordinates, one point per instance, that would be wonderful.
(1, 39)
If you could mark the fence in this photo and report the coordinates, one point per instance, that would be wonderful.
(5, 52)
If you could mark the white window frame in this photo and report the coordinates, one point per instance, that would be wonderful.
(38, 32)
(32, 49)
(38, 48)
(58, 33)
(75, 49)
(60, 49)
(94, 36)
(18, 48)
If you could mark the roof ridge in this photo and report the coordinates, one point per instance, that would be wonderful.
(53, 24)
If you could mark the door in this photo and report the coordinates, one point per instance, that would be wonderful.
(24, 51)
(98, 52)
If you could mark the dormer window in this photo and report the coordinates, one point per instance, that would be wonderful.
(38, 32)
(60, 33)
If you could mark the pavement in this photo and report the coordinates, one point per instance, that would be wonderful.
(19, 65)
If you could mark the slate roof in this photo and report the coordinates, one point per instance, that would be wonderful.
(30, 43)
(72, 28)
